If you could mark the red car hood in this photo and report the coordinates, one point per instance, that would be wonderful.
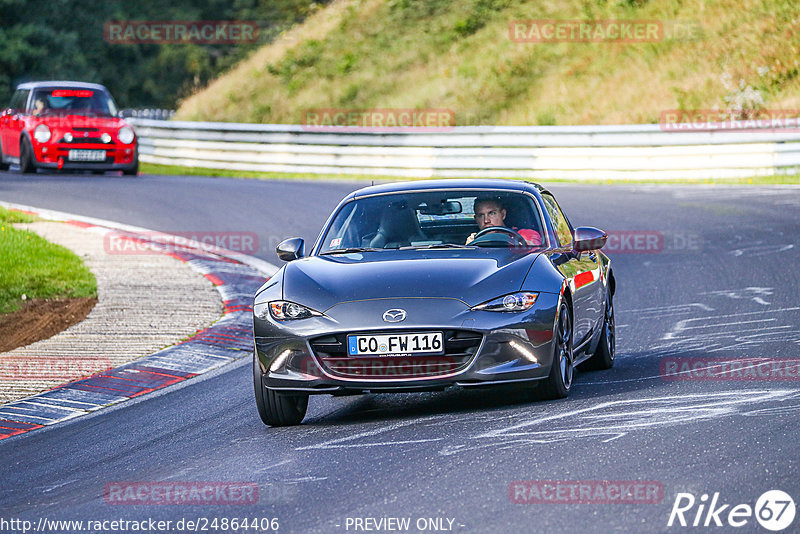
(80, 121)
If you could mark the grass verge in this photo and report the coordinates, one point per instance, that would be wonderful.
(36, 268)
(152, 168)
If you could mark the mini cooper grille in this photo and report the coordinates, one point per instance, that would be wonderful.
(82, 140)
(459, 348)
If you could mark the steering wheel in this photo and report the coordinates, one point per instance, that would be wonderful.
(503, 229)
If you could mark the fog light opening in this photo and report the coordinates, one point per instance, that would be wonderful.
(278, 362)
(527, 354)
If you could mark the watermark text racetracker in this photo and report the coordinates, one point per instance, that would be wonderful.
(734, 120)
(181, 493)
(586, 492)
(49, 368)
(378, 119)
(725, 369)
(180, 31)
(153, 242)
(651, 242)
(602, 31)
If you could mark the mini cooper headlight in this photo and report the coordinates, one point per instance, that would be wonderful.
(515, 302)
(68, 137)
(282, 310)
(125, 135)
(105, 138)
(42, 133)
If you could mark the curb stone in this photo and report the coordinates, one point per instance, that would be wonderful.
(235, 276)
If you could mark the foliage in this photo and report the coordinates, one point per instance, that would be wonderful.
(64, 40)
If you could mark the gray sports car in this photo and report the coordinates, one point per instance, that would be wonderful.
(425, 285)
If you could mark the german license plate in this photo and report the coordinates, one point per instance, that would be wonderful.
(87, 155)
(401, 343)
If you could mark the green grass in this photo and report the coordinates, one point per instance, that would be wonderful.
(36, 268)
(151, 168)
(14, 216)
(458, 55)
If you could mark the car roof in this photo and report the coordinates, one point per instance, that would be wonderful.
(62, 83)
(462, 183)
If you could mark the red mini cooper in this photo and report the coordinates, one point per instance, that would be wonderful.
(66, 125)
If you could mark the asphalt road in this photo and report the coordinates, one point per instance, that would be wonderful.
(718, 279)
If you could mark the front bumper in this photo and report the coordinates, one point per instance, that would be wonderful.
(56, 156)
(481, 347)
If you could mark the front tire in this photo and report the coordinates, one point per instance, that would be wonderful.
(132, 171)
(26, 165)
(3, 166)
(274, 407)
(559, 381)
(603, 357)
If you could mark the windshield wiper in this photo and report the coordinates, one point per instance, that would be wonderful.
(350, 250)
(438, 245)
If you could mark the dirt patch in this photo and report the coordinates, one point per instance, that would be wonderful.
(41, 319)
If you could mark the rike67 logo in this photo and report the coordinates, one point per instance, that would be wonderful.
(774, 510)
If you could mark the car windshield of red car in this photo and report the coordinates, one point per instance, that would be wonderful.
(73, 101)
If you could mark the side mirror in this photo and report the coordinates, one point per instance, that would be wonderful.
(589, 238)
(291, 249)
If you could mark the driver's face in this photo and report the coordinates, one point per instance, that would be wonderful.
(489, 214)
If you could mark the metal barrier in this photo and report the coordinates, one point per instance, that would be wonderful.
(540, 152)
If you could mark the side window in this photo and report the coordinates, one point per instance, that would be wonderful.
(18, 100)
(560, 223)
(15, 98)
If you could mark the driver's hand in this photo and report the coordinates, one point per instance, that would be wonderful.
(470, 238)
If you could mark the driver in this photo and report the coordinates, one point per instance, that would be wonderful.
(39, 106)
(491, 212)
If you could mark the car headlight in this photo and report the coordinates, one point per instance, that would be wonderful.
(515, 302)
(282, 310)
(42, 133)
(105, 138)
(125, 135)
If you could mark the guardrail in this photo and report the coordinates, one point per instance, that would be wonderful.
(539, 152)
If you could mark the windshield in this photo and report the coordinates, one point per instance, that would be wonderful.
(435, 219)
(73, 101)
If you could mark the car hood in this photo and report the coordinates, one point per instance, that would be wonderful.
(66, 122)
(473, 276)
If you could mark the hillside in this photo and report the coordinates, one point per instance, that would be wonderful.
(458, 55)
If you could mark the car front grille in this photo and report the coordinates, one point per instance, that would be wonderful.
(83, 140)
(460, 347)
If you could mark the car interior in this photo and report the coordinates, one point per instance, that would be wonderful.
(423, 221)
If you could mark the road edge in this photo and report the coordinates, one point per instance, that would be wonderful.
(226, 341)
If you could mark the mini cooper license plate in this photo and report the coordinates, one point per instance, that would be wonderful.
(401, 343)
(87, 155)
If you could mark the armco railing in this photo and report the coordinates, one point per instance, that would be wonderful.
(539, 152)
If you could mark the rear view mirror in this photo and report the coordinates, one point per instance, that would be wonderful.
(442, 208)
(589, 238)
(291, 249)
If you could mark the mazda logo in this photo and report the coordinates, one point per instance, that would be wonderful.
(394, 316)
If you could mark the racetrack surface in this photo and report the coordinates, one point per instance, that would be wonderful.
(719, 280)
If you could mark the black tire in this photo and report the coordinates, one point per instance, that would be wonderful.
(133, 171)
(274, 407)
(559, 381)
(3, 166)
(26, 165)
(603, 357)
